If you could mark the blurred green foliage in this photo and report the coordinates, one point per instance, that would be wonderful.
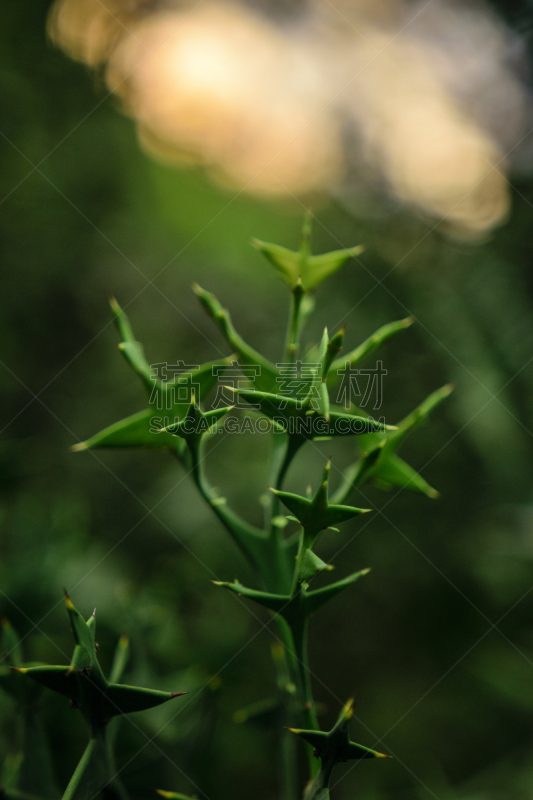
(438, 644)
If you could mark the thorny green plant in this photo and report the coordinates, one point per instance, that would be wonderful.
(299, 411)
(101, 702)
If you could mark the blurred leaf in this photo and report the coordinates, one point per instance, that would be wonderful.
(263, 712)
(24, 693)
(132, 431)
(396, 472)
(300, 264)
(389, 468)
(131, 349)
(267, 373)
(128, 699)
(143, 429)
(332, 351)
(84, 657)
(36, 775)
(274, 602)
(11, 647)
(98, 699)
(120, 659)
(367, 347)
(317, 598)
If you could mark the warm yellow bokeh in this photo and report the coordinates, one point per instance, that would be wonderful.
(302, 106)
(431, 154)
(87, 29)
(223, 87)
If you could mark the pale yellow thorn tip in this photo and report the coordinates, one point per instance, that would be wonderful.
(123, 641)
(76, 448)
(231, 388)
(348, 708)
(19, 669)
(114, 304)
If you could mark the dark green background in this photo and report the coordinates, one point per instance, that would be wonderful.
(437, 642)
